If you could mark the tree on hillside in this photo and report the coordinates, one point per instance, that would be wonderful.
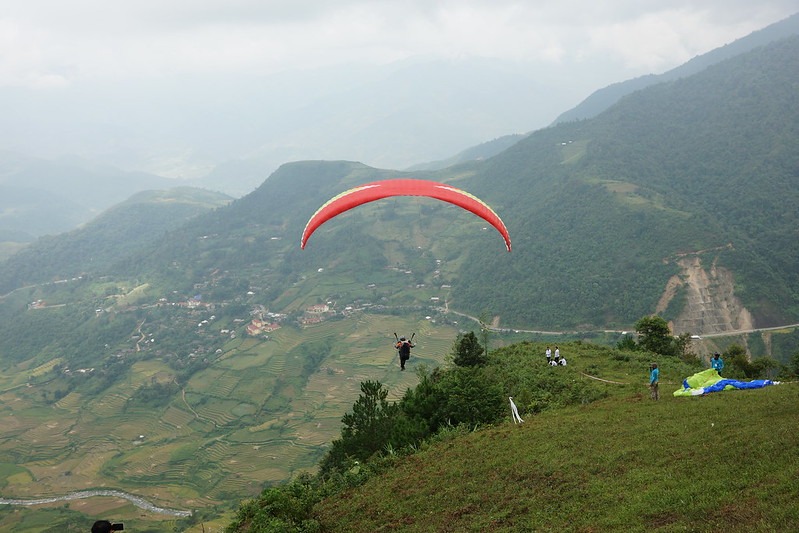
(367, 429)
(737, 362)
(471, 396)
(740, 365)
(682, 349)
(654, 335)
(485, 331)
(627, 343)
(467, 351)
(421, 408)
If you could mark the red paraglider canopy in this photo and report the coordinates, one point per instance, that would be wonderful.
(403, 187)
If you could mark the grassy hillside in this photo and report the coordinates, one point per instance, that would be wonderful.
(725, 462)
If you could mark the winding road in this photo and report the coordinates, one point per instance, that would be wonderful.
(704, 336)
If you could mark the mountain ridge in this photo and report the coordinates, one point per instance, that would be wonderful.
(603, 98)
(70, 190)
(114, 233)
(630, 189)
(202, 366)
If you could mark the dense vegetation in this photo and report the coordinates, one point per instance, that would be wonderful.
(689, 165)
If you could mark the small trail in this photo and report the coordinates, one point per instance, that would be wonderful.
(600, 379)
(141, 336)
(197, 416)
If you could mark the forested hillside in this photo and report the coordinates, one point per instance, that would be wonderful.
(597, 210)
(116, 233)
(603, 98)
(600, 209)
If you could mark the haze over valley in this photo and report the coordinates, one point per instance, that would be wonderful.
(164, 336)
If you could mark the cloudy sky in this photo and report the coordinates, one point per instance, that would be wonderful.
(50, 43)
(131, 68)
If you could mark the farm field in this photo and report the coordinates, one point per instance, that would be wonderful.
(264, 410)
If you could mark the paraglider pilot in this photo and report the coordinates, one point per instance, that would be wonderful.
(404, 349)
(717, 362)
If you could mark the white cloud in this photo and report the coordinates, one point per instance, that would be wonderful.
(48, 42)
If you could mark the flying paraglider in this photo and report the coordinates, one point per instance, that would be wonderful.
(402, 187)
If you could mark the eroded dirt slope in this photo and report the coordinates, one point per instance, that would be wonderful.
(711, 305)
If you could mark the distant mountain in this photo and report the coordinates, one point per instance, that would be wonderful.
(604, 98)
(605, 212)
(199, 130)
(163, 362)
(117, 232)
(41, 197)
(475, 153)
(402, 114)
(611, 218)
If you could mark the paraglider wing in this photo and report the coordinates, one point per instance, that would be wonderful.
(402, 187)
(709, 381)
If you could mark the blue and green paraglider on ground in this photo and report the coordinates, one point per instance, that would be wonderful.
(710, 381)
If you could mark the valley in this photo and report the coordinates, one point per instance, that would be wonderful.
(240, 398)
(184, 351)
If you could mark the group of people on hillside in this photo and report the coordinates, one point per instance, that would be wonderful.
(558, 360)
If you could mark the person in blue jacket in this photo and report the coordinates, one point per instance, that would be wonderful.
(654, 377)
(717, 363)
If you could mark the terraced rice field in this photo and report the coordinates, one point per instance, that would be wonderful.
(257, 415)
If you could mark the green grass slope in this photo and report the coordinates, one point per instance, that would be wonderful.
(724, 462)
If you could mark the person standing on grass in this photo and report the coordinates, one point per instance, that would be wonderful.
(654, 377)
(717, 363)
(549, 354)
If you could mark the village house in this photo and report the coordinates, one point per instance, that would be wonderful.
(258, 327)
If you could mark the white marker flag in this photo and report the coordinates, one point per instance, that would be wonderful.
(515, 412)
